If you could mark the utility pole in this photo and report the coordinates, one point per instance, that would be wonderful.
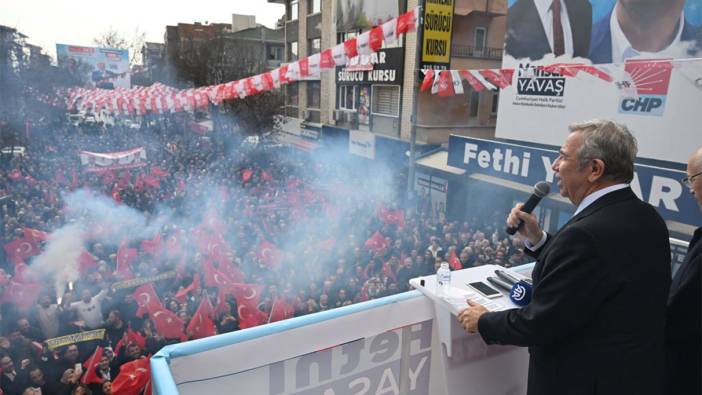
(415, 94)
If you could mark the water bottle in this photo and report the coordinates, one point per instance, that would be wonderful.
(443, 279)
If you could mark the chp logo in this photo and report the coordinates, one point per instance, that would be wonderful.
(645, 87)
(533, 81)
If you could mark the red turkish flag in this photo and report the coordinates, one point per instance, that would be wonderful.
(427, 81)
(89, 366)
(269, 254)
(21, 295)
(182, 295)
(376, 242)
(86, 262)
(132, 378)
(201, 324)
(232, 272)
(375, 40)
(445, 84)
(389, 217)
(406, 22)
(168, 324)
(304, 67)
(153, 246)
(147, 299)
(130, 336)
(282, 309)
(246, 175)
(125, 256)
(158, 172)
(247, 298)
(213, 277)
(35, 236)
(19, 249)
(453, 261)
(496, 78)
(326, 60)
(350, 48)
(474, 82)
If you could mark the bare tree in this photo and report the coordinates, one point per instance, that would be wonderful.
(113, 38)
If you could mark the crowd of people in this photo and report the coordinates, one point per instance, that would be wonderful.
(242, 238)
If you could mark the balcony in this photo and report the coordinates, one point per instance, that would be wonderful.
(469, 51)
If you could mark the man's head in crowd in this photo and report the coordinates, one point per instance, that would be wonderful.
(7, 365)
(37, 377)
(70, 353)
(86, 295)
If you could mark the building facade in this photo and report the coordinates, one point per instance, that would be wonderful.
(376, 94)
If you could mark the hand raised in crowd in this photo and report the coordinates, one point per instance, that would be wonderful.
(530, 230)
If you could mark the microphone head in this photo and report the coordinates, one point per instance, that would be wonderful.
(521, 293)
(542, 188)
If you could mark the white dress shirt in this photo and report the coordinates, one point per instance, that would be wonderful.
(622, 49)
(544, 9)
(589, 199)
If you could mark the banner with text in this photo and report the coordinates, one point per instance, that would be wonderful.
(658, 186)
(657, 100)
(362, 143)
(436, 34)
(97, 162)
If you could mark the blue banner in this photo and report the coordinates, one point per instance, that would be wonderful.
(661, 187)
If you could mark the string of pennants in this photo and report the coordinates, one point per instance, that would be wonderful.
(159, 98)
(450, 82)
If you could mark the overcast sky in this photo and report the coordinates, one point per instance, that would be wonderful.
(48, 22)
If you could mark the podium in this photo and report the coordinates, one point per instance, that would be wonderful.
(469, 364)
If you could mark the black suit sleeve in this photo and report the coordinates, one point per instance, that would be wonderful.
(573, 285)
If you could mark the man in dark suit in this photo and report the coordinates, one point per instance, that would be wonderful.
(683, 323)
(528, 37)
(596, 321)
(652, 27)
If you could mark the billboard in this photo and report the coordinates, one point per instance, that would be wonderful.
(603, 31)
(103, 68)
(649, 81)
(527, 165)
(436, 34)
(354, 15)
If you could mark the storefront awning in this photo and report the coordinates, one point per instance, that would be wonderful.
(438, 161)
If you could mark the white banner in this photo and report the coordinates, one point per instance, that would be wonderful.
(97, 162)
(362, 144)
(658, 100)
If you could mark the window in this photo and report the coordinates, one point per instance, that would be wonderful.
(495, 101)
(292, 98)
(275, 53)
(386, 100)
(292, 51)
(347, 97)
(315, 6)
(474, 101)
(479, 40)
(314, 46)
(293, 10)
(343, 36)
(313, 94)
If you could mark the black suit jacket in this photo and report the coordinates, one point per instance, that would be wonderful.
(596, 321)
(526, 37)
(683, 323)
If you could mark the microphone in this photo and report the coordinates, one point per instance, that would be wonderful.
(541, 189)
(521, 293)
(500, 284)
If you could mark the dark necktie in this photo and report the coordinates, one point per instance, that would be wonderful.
(558, 41)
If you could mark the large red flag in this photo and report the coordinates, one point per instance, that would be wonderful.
(21, 248)
(152, 246)
(182, 295)
(125, 256)
(132, 378)
(247, 298)
(147, 299)
(269, 254)
(89, 366)
(35, 236)
(23, 296)
(86, 262)
(282, 309)
(201, 325)
(168, 324)
(453, 261)
(376, 242)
